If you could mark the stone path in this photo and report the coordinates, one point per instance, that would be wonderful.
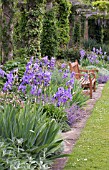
(72, 136)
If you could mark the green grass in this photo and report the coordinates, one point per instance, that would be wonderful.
(91, 151)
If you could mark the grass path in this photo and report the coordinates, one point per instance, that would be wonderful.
(91, 151)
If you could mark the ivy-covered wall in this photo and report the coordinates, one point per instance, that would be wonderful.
(35, 13)
(95, 30)
(31, 28)
(7, 14)
(49, 38)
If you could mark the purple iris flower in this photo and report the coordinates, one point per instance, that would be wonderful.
(65, 75)
(70, 83)
(63, 65)
(2, 73)
(45, 60)
(9, 83)
(103, 79)
(92, 57)
(7, 86)
(72, 75)
(39, 92)
(62, 96)
(82, 54)
(52, 63)
(60, 71)
(22, 88)
(102, 56)
(33, 90)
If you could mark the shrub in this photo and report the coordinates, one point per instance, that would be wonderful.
(69, 54)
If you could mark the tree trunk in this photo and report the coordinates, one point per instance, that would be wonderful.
(7, 31)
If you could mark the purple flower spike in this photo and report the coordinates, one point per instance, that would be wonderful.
(52, 63)
(45, 60)
(82, 54)
(2, 73)
(72, 75)
(65, 75)
(63, 65)
(62, 96)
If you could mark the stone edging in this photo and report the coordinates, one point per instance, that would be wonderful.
(72, 136)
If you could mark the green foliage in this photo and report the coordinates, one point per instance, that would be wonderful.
(58, 114)
(49, 40)
(78, 96)
(101, 5)
(34, 25)
(77, 32)
(90, 44)
(64, 7)
(7, 30)
(30, 131)
(57, 78)
(93, 43)
(20, 36)
(14, 157)
(16, 64)
(69, 54)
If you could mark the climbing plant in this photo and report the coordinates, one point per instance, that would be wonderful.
(7, 14)
(77, 32)
(35, 12)
(64, 9)
(20, 31)
(101, 5)
(103, 13)
(49, 40)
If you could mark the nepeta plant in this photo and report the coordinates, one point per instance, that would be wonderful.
(73, 114)
(103, 79)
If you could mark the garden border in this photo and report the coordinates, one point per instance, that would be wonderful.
(72, 136)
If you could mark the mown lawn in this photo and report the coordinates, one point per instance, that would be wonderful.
(92, 149)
